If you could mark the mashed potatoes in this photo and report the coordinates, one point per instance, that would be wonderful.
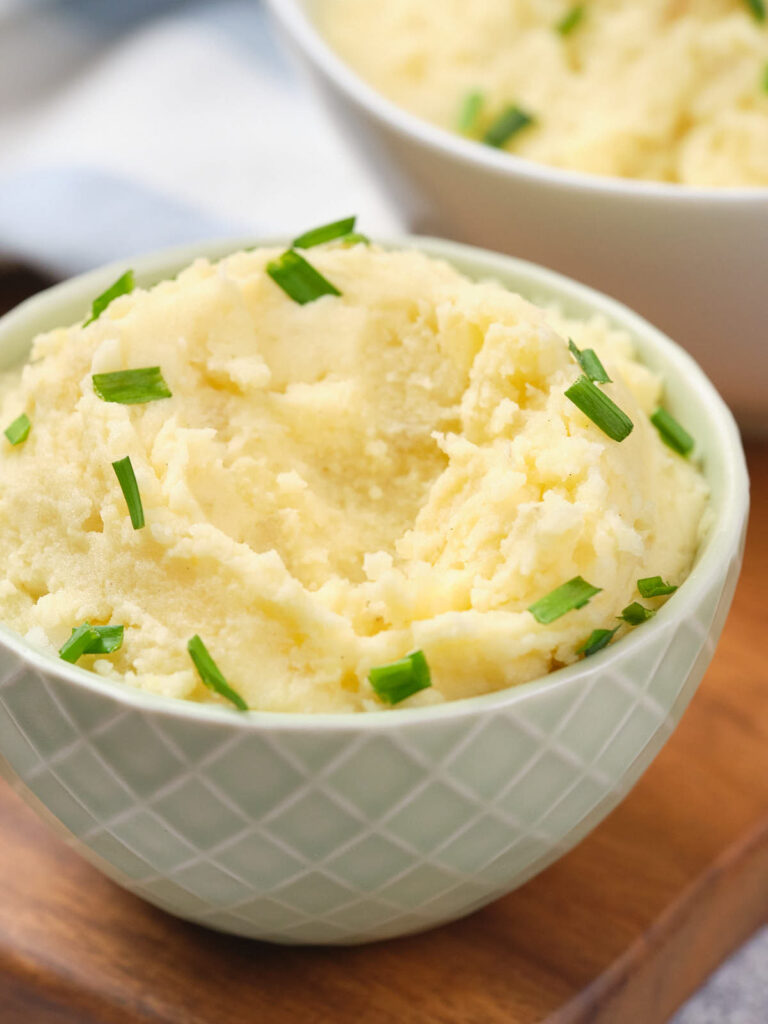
(673, 90)
(333, 485)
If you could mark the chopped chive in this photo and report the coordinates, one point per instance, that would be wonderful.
(80, 640)
(758, 9)
(672, 434)
(603, 412)
(355, 238)
(570, 20)
(325, 233)
(299, 279)
(636, 613)
(654, 586)
(88, 639)
(127, 480)
(110, 639)
(123, 286)
(469, 112)
(590, 363)
(566, 598)
(596, 641)
(131, 387)
(511, 120)
(764, 79)
(18, 431)
(401, 679)
(210, 673)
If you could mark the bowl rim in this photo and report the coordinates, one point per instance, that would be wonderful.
(718, 547)
(296, 21)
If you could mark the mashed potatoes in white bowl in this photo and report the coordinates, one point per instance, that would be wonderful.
(366, 411)
(639, 165)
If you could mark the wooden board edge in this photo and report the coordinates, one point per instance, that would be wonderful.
(34, 991)
(709, 920)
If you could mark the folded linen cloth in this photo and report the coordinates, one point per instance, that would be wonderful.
(129, 126)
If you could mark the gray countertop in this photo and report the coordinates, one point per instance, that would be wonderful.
(737, 993)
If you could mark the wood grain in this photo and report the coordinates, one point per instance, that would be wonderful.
(620, 930)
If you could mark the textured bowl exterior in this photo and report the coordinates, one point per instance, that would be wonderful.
(346, 835)
(691, 260)
(343, 829)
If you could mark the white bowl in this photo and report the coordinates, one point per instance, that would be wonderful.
(692, 260)
(346, 828)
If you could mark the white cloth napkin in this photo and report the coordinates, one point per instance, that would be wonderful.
(126, 126)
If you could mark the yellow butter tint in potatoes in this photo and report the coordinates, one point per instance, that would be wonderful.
(336, 478)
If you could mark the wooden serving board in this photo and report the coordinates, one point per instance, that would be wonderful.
(620, 930)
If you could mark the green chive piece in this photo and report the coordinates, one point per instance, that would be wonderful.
(764, 79)
(469, 112)
(325, 233)
(88, 639)
(635, 614)
(110, 639)
(566, 598)
(299, 279)
(570, 20)
(603, 412)
(596, 641)
(401, 679)
(590, 363)
(654, 586)
(123, 286)
(511, 121)
(210, 673)
(672, 434)
(81, 639)
(355, 238)
(758, 9)
(131, 387)
(127, 480)
(18, 431)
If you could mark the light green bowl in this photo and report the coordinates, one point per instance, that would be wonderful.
(348, 828)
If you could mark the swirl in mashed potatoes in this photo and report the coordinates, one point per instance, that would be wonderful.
(333, 485)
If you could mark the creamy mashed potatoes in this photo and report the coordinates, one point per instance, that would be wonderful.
(673, 90)
(333, 485)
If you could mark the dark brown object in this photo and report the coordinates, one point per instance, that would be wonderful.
(621, 929)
